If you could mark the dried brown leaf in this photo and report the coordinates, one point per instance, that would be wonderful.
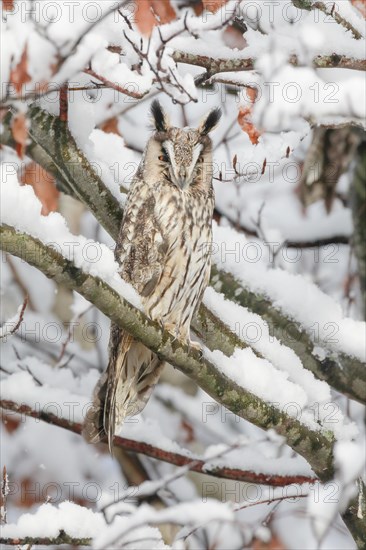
(110, 126)
(213, 5)
(8, 5)
(44, 186)
(20, 133)
(19, 74)
(150, 13)
(273, 544)
(246, 124)
(360, 5)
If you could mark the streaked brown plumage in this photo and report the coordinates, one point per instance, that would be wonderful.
(329, 156)
(164, 252)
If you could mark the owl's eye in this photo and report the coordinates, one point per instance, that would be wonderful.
(164, 157)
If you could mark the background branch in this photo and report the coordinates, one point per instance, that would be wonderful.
(221, 65)
(358, 200)
(196, 465)
(330, 10)
(63, 538)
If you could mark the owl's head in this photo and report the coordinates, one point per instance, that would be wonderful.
(182, 155)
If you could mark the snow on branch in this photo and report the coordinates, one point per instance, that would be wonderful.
(333, 10)
(200, 369)
(194, 463)
(69, 523)
(215, 65)
(11, 325)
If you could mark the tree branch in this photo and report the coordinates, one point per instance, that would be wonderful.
(358, 200)
(344, 373)
(196, 465)
(221, 65)
(316, 243)
(63, 538)
(54, 148)
(115, 86)
(355, 516)
(316, 447)
(329, 10)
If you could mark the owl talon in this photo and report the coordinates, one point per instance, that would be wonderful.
(172, 329)
(196, 347)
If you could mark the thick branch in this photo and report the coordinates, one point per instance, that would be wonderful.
(216, 65)
(55, 149)
(63, 538)
(344, 373)
(359, 219)
(329, 10)
(316, 447)
(196, 465)
(355, 516)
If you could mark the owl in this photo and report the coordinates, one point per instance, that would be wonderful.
(164, 252)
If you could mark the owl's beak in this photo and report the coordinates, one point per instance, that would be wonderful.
(182, 177)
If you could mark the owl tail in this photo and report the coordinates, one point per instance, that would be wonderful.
(123, 389)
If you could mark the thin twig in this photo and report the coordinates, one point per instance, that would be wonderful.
(199, 465)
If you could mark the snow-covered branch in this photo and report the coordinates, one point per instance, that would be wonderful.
(60, 539)
(12, 325)
(53, 147)
(215, 65)
(315, 446)
(340, 371)
(358, 207)
(193, 462)
(331, 10)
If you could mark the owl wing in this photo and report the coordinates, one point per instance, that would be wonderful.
(142, 245)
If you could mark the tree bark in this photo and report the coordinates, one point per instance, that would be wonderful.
(358, 200)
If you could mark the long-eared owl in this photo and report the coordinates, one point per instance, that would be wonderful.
(163, 250)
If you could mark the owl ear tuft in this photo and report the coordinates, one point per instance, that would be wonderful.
(161, 121)
(210, 122)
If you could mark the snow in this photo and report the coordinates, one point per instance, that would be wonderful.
(300, 92)
(194, 513)
(56, 396)
(116, 163)
(334, 497)
(68, 397)
(253, 330)
(108, 64)
(7, 328)
(77, 522)
(322, 317)
(21, 209)
(262, 379)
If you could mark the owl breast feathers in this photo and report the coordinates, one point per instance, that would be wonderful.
(163, 249)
